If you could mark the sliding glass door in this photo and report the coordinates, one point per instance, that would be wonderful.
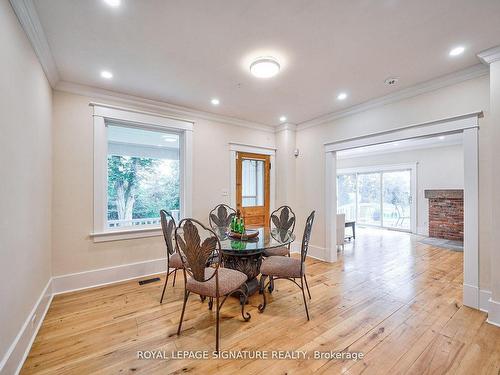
(369, 199)
(380, 198)
(397, 199)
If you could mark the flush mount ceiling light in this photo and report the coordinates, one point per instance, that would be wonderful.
(342, 96)
(283, 118)
(106, 74)
(457, 51)
(113, 3)
(215, 101)
(265, 67)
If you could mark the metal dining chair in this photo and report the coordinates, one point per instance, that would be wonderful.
(214, 281)
(173, 258)
(282, 220)
(280, 267)
(220, 219)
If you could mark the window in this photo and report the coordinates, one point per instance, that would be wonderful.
(252, 182)
(143, 175)
(380, 196)
(142, 164)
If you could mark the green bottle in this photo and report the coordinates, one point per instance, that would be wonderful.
(242, 226)
(233, 224)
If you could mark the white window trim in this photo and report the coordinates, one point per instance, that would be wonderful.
(140, 119)
(234, 148)
(388, 168)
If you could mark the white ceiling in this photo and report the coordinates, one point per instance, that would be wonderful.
(403, 145)
(187, 52)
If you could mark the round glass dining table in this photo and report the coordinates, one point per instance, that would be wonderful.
(245, 255)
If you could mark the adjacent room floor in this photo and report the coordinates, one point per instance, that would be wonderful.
(396, 300)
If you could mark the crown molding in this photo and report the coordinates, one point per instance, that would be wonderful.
(345, 155)
(28, 17)
(285, 126)
(474, 71)
(490, 55)
(179, 112)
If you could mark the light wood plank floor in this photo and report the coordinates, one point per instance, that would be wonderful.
(390, 297)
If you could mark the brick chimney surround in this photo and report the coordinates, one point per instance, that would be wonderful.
(446, 213)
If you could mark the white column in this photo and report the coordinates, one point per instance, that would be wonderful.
(285, 165)
(471, 218)
(492, 58)
(331, 206)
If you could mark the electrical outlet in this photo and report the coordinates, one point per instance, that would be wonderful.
(225, 193)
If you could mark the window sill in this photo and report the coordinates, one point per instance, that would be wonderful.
(126, 234)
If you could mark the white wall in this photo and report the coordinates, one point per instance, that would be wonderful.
(25, 170)
(437, 168)
(465, 97)
(73, 249)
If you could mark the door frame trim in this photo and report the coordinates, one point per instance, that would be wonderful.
(234, 148)
(468, 125)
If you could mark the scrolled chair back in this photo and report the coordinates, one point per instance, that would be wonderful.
(168, 228)
(196, 253)
(220, 218)
(282, 219)
(306, 238)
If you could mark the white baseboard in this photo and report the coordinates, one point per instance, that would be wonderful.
(484, 300)
(471, 296)
(18, 351)
(494, 312)
(315, 252)
(423, 231)
(104, 276)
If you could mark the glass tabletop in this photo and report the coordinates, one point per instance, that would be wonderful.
(266, 239)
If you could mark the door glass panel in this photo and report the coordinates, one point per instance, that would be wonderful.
(252, 181)
(397, 199)
(346, 196)
(369, 199)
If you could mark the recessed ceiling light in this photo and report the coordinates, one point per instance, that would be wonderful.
(441, 137)
(106, 74)
(215, 101)
(113, 3)
(342, 96)
(265, 67)
(457, 51)
(283, 118)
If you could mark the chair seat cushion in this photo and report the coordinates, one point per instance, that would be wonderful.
(175, 261)
(229, 281)
(281, 266)
(276, 251)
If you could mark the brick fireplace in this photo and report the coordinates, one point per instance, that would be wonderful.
(446, 214)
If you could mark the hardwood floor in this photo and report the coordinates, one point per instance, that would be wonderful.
(397, 301)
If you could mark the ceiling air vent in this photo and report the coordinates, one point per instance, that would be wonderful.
(391, 81)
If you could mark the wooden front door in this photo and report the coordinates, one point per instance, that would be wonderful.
(252, 187)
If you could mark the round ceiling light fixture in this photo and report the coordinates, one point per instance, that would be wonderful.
(265, 67)
(113, 3)
(283, 118)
